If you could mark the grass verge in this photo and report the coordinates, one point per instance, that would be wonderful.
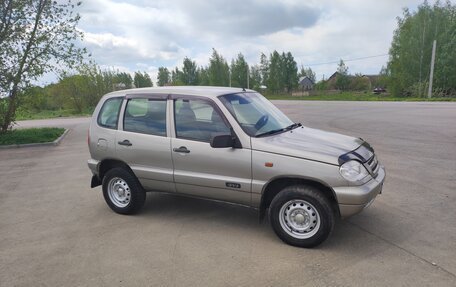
(49, 114)
(346, 96)
(28, 136)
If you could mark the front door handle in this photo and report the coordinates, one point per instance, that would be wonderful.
(182, 149)
(125, 142)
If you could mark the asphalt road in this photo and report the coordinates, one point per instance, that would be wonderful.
(56, 231)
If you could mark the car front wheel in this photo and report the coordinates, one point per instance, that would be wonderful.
(301, 216)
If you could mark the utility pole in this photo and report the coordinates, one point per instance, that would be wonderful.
(248, 77)
(431, 75)
(229, 72)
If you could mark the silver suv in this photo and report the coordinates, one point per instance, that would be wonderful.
(231, 145)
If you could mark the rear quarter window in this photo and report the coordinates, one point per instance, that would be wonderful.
(109, 113)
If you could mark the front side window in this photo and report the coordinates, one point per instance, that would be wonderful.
(109, 113)
(198, 120)
(255, 114)
(145, 116)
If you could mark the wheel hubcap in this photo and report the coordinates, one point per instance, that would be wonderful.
(299, 218)
(119, 192)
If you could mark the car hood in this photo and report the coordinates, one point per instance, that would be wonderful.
(308, 143)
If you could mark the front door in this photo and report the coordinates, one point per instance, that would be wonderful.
(200, 170)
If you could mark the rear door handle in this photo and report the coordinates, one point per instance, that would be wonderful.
(181, 149)
(125, 142)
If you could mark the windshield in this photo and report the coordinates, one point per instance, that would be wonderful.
(255, 114)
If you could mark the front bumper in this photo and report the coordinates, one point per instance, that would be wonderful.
(353, 199)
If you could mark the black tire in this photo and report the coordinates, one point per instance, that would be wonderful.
(137, 195)
(308, 199)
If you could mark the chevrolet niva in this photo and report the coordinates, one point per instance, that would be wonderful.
(231, 145)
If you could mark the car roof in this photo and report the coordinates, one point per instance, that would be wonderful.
(203, 91)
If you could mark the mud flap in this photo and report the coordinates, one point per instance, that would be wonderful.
(95, 181)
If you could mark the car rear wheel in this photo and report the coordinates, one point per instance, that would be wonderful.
(301, 216)
(122, 191)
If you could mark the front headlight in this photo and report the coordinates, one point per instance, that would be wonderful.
(353, 171)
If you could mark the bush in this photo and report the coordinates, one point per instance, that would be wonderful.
(417, 90)
(360, 83)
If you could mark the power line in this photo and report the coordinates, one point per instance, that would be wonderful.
(350, 60)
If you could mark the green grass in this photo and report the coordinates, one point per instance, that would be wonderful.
(27, 136)
(49, 114)
(347, 96)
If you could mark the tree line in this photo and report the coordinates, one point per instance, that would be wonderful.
(38, 37)
(80, 90)
(277, 72)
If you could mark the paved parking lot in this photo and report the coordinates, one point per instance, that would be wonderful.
(56, 231)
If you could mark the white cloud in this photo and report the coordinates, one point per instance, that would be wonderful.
(143, 35)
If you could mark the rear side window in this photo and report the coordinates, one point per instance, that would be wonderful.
(146, 116)
(109, 113)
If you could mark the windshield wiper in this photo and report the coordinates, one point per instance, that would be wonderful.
(293, 126)
(271, 132)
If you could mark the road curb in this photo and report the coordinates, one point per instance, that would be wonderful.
(54, 143)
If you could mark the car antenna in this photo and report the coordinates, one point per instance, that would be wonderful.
(243, 89)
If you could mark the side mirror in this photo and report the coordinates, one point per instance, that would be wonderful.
(221, 141)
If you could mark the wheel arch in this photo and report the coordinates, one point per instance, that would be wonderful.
(274, 186)
(107, 164)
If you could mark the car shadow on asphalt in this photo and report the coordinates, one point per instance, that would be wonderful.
(346, 238)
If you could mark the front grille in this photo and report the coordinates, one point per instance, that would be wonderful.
(373, 165)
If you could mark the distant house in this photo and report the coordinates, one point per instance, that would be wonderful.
(331, 81)
(333, 77)
(356, 82)
(306, 84)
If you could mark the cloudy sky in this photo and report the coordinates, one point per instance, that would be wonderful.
(144, 35)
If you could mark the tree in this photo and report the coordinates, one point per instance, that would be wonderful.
(34, 98)
(264, 69)
(122, 81)
(255, 77)
(35, 37)
(176, 77)
(100, 82)
(189, 75)
(411, 48)
(163, 77)
(307, 72)
(290, 72)
(84, 88)
(282, 72)
(203, 76)
(142, 80)
(342, 68)
(218, 70)
(384, 77)
(239, 72)
(342, 80)
(75, 89)
(274, 80)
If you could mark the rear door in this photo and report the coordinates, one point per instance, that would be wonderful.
(199, 169)
(143, 141)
